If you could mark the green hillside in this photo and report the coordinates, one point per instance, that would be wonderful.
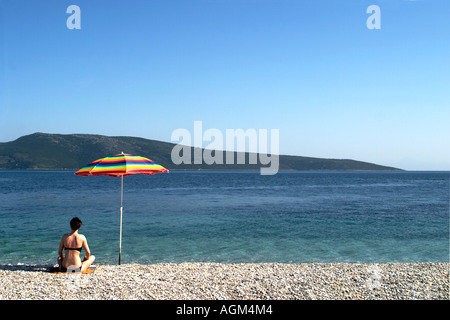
(73, 151)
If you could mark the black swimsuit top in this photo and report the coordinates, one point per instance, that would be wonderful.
(78, 249)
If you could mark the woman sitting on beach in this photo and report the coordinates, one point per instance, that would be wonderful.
(73, 243)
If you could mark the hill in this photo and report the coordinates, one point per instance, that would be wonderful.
(73, 151)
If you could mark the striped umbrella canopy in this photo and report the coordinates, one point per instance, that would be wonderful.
(121, 165)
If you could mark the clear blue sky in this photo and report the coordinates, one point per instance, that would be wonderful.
(311, 69)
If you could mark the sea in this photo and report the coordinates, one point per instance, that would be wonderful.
(229, 216)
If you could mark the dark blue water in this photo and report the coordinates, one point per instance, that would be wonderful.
(291, 217)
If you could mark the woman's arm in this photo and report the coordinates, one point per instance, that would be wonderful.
(61, 247)
(86, 249)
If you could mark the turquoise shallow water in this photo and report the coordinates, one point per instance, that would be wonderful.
(291, 217)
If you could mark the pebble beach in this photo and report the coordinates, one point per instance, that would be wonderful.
(206, 281)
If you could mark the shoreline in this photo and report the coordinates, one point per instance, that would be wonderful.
(238, 281)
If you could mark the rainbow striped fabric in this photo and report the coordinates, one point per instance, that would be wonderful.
(121, 165)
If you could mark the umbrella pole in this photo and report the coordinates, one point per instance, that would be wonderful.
(121, 209)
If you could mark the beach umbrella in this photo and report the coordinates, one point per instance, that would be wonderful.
(121, 165)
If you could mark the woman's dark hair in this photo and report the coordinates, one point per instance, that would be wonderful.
(75, 224)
